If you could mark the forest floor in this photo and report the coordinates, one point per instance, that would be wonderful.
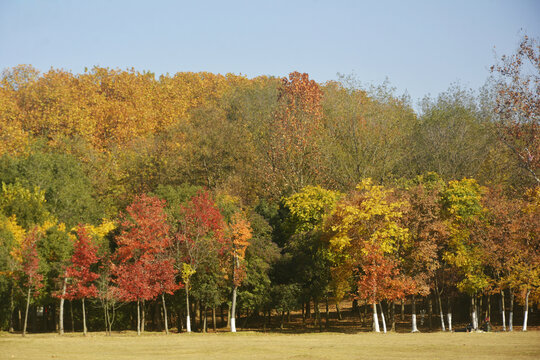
(250, 345)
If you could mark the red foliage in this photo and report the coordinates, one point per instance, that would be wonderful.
(144, 268)
(380, 278)
(201, 221)
(146, 232)
(79, 272)
(30, 261)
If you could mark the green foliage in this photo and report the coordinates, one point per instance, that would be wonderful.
(175, 196)
(462, 200)
(67, 189)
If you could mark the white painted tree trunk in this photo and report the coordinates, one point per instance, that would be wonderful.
(473, 315)
(233, 302)
(449, 313)
(441, 314)
(233, 324)
(503, 311)
(61, 316)
(511, 312)
(233, 310)
(375, 319)
(382, 318)
(188, 322)
(414, 328)
(526, 310)
(84, 317)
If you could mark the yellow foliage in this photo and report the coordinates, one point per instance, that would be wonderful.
(241, 234)
(101, 230)
(187, 272)
(369, 216)
(10, 225)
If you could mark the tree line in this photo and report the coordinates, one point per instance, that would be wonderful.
(123, 192)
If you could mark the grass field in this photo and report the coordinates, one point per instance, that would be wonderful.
(247, 345)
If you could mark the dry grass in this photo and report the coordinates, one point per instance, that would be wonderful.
(248, 345)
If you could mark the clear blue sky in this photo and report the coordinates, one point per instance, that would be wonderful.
(421, 46)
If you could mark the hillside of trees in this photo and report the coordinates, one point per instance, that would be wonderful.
(139, 201)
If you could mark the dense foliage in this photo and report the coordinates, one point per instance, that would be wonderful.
(268, 195)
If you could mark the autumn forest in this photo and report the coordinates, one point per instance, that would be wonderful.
(200, 202)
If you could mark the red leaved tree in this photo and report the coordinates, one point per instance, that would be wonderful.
(32, 278)
(143, 247)
(200, 237)
(380, 279)
(80, 274)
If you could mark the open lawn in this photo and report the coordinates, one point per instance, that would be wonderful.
(248, 345)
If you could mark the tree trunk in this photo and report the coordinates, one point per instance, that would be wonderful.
(441, 314)
(214, 325)
(228, 316)
(511, 312)
(338, 311)
(26, 313)
(503, 311)
(165, 320)
(188, 321)
(479, 307)
(233, 310)
(402, 309)
(282, 318)
(382, 317)
(473, 315)
(449, 313)
(413, 311)
(375, 318)
(488, 308)
(84, 317)
(138, 318)
(19, 319)
(526, 310)
(205, 318)
(105, 314)
(61, 316)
